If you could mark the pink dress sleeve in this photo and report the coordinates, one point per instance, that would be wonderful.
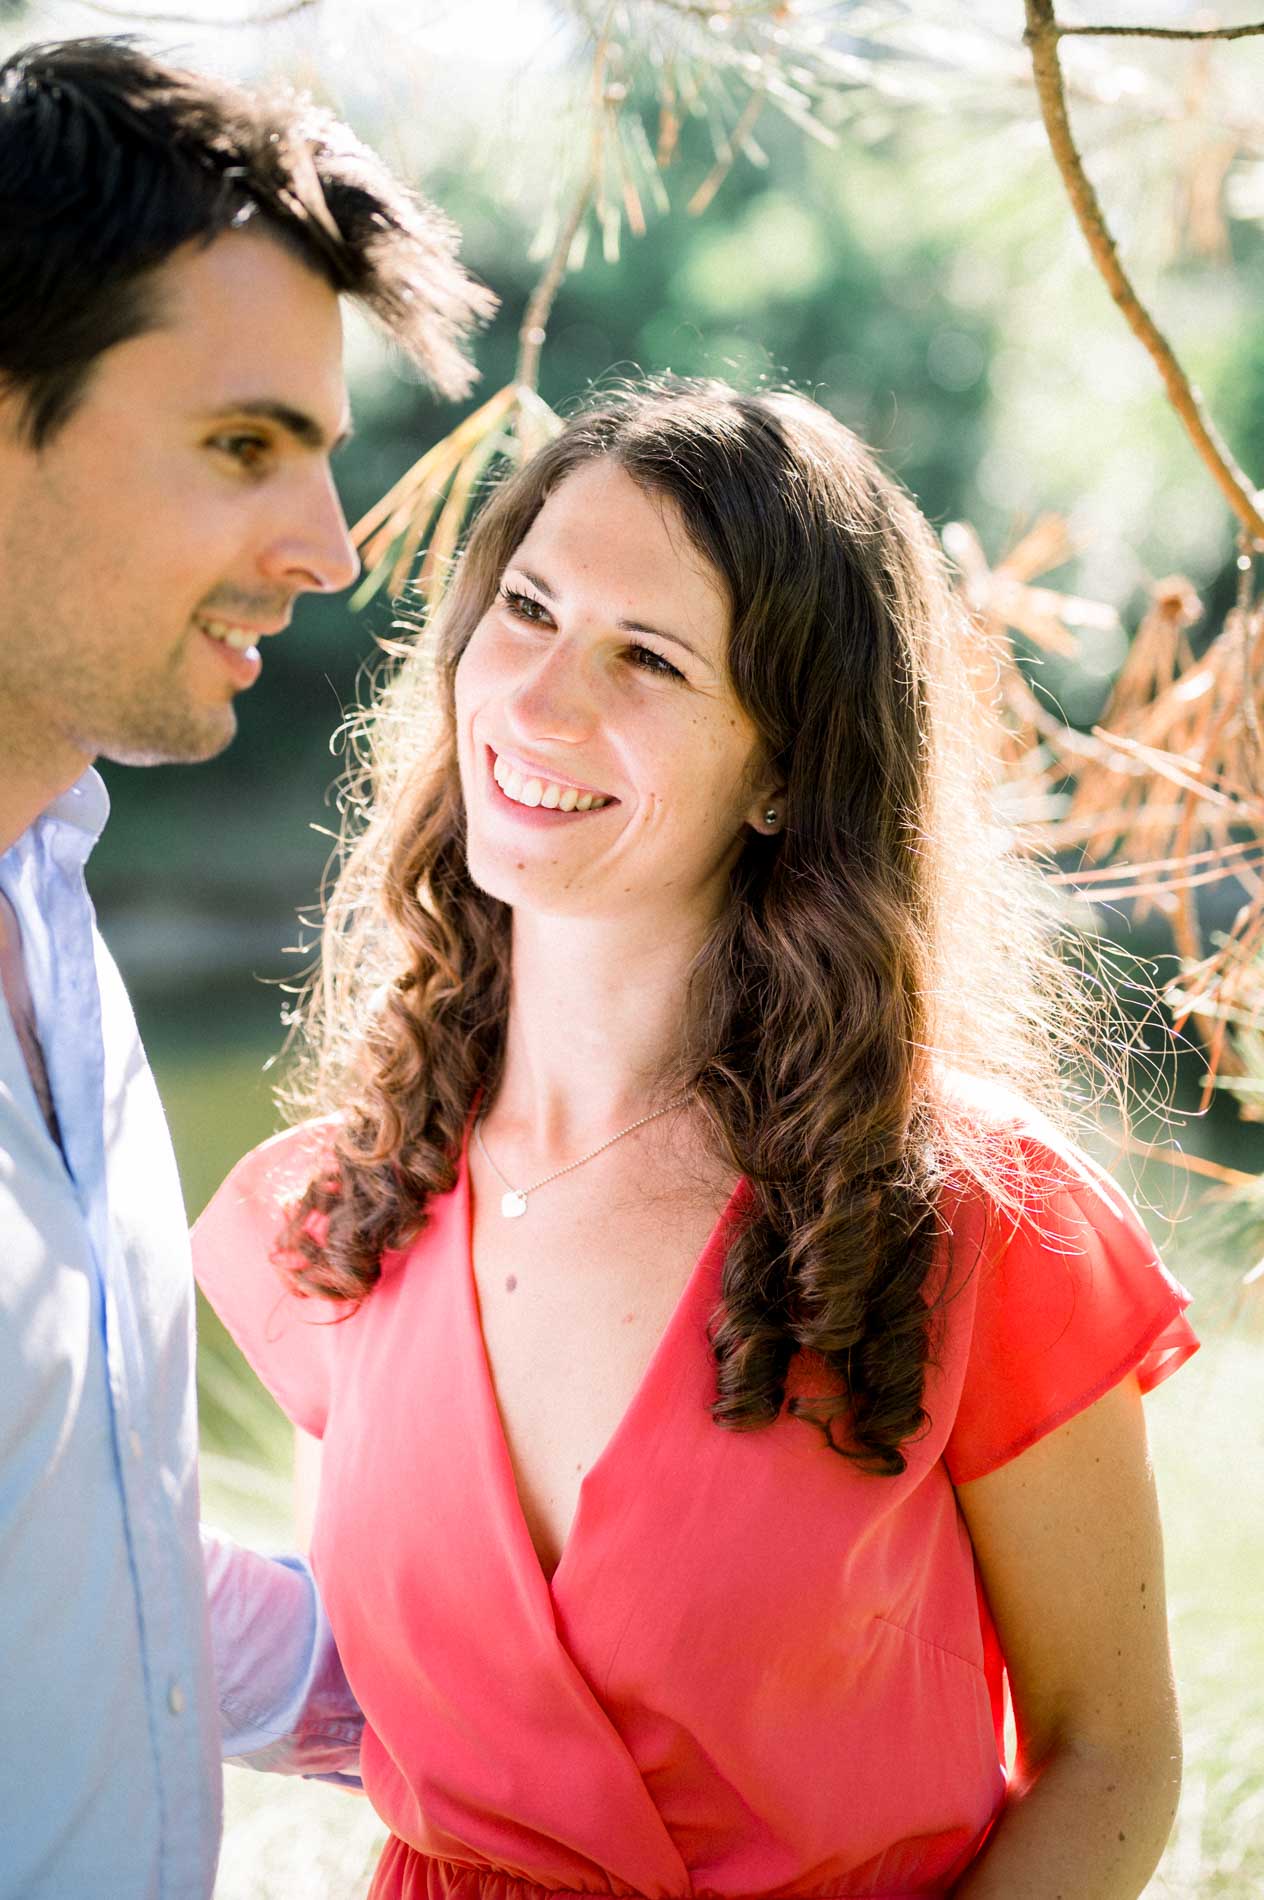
(285, 1337)
(1069, 1298)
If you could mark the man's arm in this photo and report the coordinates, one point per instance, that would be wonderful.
(285, 1704)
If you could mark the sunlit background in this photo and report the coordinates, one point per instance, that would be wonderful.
(910, 261)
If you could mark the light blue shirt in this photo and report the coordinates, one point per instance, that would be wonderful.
(111, 1685)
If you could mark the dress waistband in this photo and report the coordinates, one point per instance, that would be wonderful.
(404, 1874)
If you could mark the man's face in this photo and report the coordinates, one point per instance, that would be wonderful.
(175, 516)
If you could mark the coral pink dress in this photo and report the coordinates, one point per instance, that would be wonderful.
(757, 1670)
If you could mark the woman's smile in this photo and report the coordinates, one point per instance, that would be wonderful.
(562, 695)
(533, 787)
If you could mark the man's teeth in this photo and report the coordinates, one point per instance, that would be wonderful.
(239, 638)
(541, 791)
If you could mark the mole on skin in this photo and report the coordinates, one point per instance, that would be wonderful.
(511, 1283)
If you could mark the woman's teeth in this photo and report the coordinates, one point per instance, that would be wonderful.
(241, 639)
(541, 791)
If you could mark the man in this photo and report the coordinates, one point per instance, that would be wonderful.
(172, 256)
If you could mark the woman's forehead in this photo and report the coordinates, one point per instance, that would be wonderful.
(603, 537)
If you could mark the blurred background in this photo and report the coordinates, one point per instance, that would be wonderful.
(893, 239)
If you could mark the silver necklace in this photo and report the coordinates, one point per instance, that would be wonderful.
(513, 1203)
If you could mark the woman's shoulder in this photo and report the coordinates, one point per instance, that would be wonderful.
(1054, 1288)
(993, 1108)
(239, 1260)
(1007, 1158)
(276, 1172)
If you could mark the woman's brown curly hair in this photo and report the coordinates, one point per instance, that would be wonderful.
(883, 941)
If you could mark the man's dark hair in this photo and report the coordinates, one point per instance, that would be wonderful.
(110, 160)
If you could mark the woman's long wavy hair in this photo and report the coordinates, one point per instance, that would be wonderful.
(883, 942)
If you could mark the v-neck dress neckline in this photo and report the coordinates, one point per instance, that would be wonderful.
(649, 1403)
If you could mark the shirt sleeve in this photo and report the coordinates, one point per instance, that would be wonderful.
(284, 1702)
(1068, 1299)
(287, 1338)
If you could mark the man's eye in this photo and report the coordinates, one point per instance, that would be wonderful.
(246, 450)
(652, 662)
(525, 606)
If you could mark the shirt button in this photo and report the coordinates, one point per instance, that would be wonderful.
(134, 1440)
(175, 1699)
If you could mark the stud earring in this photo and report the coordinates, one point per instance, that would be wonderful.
(770, 818)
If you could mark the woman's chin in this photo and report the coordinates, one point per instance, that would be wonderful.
(546, 888)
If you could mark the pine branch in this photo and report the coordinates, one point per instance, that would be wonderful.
(1042, 36)
(535, 321)
(1164, 32)
(534, 327)
(137, 17)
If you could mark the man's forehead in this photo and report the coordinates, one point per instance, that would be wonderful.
(208, 368)
(246, 320)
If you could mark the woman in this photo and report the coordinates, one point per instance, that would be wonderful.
(722, 1375)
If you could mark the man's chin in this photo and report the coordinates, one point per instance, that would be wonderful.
(190, 742)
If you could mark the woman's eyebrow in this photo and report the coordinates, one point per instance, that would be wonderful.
(624, 626)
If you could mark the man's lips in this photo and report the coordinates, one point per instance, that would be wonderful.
(222, 625)
(242, 663)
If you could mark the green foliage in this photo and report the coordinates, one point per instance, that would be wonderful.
(218, 1095)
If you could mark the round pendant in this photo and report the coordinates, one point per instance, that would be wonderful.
(513, 1204)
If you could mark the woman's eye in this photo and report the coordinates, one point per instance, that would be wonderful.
(654, 662)
(536, 614)
(525, 606)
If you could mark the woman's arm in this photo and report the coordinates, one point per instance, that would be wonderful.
(1068, 1541)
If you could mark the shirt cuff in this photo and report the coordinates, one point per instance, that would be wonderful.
(285, 1704)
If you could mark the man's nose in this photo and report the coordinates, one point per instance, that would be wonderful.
(314, 552)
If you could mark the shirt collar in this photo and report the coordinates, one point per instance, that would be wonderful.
(67, 829)
(85, 807)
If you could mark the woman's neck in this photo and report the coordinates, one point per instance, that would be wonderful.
(596, 1017)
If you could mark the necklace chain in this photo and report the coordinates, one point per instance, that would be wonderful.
(514, 1201)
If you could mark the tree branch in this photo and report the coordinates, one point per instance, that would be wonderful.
(718, 17)
(534, 325)
(1164, 32)
(728, 152)
(137, 17)
(1042, 39)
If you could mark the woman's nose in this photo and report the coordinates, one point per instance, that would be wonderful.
(557, 698)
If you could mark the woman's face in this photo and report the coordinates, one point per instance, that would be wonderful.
(606, 764)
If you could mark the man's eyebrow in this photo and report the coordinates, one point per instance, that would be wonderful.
(624, 626)
(296, 422)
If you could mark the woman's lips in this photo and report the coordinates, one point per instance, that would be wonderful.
(534, 795)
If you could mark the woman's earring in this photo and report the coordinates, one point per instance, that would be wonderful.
(771, 817)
